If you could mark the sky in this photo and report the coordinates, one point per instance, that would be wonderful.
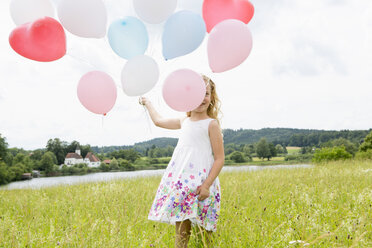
(310, 68)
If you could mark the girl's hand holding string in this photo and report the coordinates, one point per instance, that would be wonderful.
(143, 101)
(202, 192)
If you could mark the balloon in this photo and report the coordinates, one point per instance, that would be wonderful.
(84, 18)
(139, 75)
(97, 92)
(154, 11)
(23, 11)
(217, 11)
(128, 37)
(184, 90)
(229, 44)
(42, 40)
(183, 32)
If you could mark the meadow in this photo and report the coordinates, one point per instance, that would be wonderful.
(328, 205)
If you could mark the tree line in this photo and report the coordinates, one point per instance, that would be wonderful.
(16, 161)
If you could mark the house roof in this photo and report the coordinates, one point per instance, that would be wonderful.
(73, 155)
(92, 157)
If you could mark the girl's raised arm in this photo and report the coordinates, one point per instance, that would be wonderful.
(159, 121)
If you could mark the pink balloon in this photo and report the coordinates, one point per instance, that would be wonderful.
(215, 11)
(42, 40)
(184, 90)
(97, 92)
(229, 44)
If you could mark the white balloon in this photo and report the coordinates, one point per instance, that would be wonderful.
(84, 18)
(139, 75)
(23, 11)
(154, 11)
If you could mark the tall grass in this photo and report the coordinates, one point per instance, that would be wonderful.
(329, 205)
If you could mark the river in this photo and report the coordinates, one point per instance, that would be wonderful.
(37, 183)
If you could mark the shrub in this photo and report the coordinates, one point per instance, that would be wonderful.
(334, 153)
(237, 157)
(299, 157)
(154, 161)
(164, 160)
(367, 144)
(364, 155)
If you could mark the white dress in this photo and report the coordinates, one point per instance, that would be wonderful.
(192, 159)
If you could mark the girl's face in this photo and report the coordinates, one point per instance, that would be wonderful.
(207, 100)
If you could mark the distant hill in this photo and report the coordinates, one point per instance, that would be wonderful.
(140, 146)
(284, 136)
(291, 136)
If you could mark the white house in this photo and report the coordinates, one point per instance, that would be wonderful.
(91, 160)
(73, 158)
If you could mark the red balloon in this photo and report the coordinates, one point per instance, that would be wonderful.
(42, 40)
(216, 11)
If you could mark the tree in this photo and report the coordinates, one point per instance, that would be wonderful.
(72, 146)
(3, 148)
(285, 150)
(350, 147)
(84, 149)
(114, 165)
(248, 149)
(262, 149)
(18, 158)
(4, 175)
(272, 151)
(104, 167)
(58, 148)
(132, 155)
(237, 157)
(37, 154)
(367, 144)
(16, 172)
(47, 162)
(124, 164)
(279, 149)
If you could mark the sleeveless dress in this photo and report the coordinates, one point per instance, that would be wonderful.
(176, 198)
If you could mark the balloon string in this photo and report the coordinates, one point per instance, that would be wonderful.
(82, 60)
(147, 119)
(103, 120)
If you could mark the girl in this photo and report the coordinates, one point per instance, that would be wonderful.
(189, 192)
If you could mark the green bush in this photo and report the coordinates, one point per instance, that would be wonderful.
(367, 144)
(299, 157)
(154, 161)
(164, 160)
(364, 155)
(142, 162)
(329, 154)
(237, 157)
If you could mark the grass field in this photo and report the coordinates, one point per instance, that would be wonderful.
(255, 159)
(293, 150)
(329, 205)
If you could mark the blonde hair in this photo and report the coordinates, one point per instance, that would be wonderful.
(214, 108)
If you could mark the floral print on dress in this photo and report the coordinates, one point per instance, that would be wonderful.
(179, 201)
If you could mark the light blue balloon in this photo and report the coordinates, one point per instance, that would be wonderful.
(184, 31)
(128, 37)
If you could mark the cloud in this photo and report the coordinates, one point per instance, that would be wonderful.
(309, 68)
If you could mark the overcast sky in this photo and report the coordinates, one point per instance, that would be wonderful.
(310, 67)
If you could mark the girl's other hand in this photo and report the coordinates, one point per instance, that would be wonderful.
(202, 192)
(143, 101)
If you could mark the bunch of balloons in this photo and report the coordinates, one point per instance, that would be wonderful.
(39, 36)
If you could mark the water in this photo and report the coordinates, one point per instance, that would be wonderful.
(37, 183)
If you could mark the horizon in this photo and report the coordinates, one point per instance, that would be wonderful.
(144, 141)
